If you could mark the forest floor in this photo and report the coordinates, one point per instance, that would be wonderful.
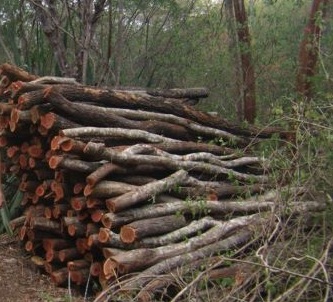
(20, 280)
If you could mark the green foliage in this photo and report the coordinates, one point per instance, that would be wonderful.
(170, 43)
(11, 207)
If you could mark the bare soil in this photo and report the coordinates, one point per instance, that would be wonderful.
(21, 280)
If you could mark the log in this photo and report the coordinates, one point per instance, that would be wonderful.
(195, 227)
(77, 229)
(103, 117)
(60, 210)
(15, 73)
(4, 82)
(42, 223)
(179, 93)
(51, 267)
(168, 205)
(97, 215)
(100, 151)
(102, 172)
(145, 192)
(137, 259)
(150, 227)
(107, 189)
(77, 264)
(96, 269)
(116, 132)
(72, 146)
(17, 116)
(65, 162)
(17, 222)
(78, 203)
(19, 87)
(110, 239)
(169, 264)
(29, 99)
(80, 277)
(113, 98)
(56, 243)
(193, 127)
(60, 277)
(69, 254)
(6, 109)
(56, 122)
(82, 246)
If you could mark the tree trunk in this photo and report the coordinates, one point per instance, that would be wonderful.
(308, 50)
(244, 40)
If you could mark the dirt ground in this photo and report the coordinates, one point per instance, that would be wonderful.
(21, 281)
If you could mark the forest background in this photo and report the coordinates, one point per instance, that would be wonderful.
(272, 58)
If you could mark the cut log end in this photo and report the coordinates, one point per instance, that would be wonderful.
(128, 234)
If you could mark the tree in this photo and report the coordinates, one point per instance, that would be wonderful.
(308, 50)
(244, 40)
(52, 20)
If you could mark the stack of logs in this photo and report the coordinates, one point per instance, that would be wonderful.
(117, 181)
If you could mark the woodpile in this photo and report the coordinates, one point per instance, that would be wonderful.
(116, 181)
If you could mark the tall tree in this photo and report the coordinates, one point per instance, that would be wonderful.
(244, 40)
(52, 20)
(308, 50)
(237, 79)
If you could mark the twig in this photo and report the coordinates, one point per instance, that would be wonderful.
(313, 271)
